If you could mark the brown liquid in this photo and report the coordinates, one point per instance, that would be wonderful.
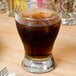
(39, 38)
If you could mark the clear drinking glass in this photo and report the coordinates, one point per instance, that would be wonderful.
(67, 8)
(12, 4)
(3, 6)
(38, 25)
(10, 7)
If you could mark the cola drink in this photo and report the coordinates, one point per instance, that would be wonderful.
(38, 29)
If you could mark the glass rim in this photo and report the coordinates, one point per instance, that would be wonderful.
(16, 12)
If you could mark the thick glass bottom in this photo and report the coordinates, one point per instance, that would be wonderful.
(38, 66)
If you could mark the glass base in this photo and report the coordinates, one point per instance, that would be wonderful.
(69, 18)
(38, 66)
